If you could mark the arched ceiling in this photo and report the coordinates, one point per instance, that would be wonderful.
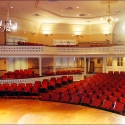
(55, 16)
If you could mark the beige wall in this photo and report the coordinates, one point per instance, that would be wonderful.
(34, 64)
(98, 66)
(48, 39)
(2, 38)
(47, 62)
(3, 64)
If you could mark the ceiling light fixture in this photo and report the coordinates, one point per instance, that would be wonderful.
(109, 19)
(7, 25)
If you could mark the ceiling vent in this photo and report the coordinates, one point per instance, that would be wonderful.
(36, 15)
(69, 8)
(82, 14)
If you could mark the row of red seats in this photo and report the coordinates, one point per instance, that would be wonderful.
(21, 71)
(43, 86)
(53, 83)
(19, 90)
(76, 96)
(116, 72)
(19, 74)
(30, 44)
(63, 72)
(67, 45)
(93, 92)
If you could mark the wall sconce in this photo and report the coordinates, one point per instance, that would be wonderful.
(48, 34)
(32, 33)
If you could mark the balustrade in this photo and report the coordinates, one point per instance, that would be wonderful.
(47, 50)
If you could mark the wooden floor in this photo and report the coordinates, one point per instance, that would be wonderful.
(19, 111)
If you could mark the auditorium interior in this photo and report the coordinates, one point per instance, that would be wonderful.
(62, 62)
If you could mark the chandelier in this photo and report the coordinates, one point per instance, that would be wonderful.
(108, 18)
(7, 25)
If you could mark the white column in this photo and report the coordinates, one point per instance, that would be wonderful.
(88, 64)
(84, 66)
(17, 65)
(23, 63)
(10, 65)
(40, 68)
(104, 64)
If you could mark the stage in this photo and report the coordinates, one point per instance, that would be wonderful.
(26, 111)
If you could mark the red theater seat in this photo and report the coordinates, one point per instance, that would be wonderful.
(107, 104)
(118, 107)
(75, 99)
(65, 98)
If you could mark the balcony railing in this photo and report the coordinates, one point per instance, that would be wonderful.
(47, 50)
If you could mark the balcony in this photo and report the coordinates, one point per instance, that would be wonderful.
(48, 50)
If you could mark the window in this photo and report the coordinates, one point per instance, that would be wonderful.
(109, 61)
(64, 42)
(120, 61)
(12, 40)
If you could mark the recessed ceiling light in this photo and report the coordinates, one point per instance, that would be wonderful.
(117, 10)
(116, 19)
(77, 7)
(88, 21)
(11, 7)
(61, 10)
(101, 18)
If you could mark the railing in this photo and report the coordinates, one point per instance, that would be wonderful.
(76, 77)
(47, 50)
